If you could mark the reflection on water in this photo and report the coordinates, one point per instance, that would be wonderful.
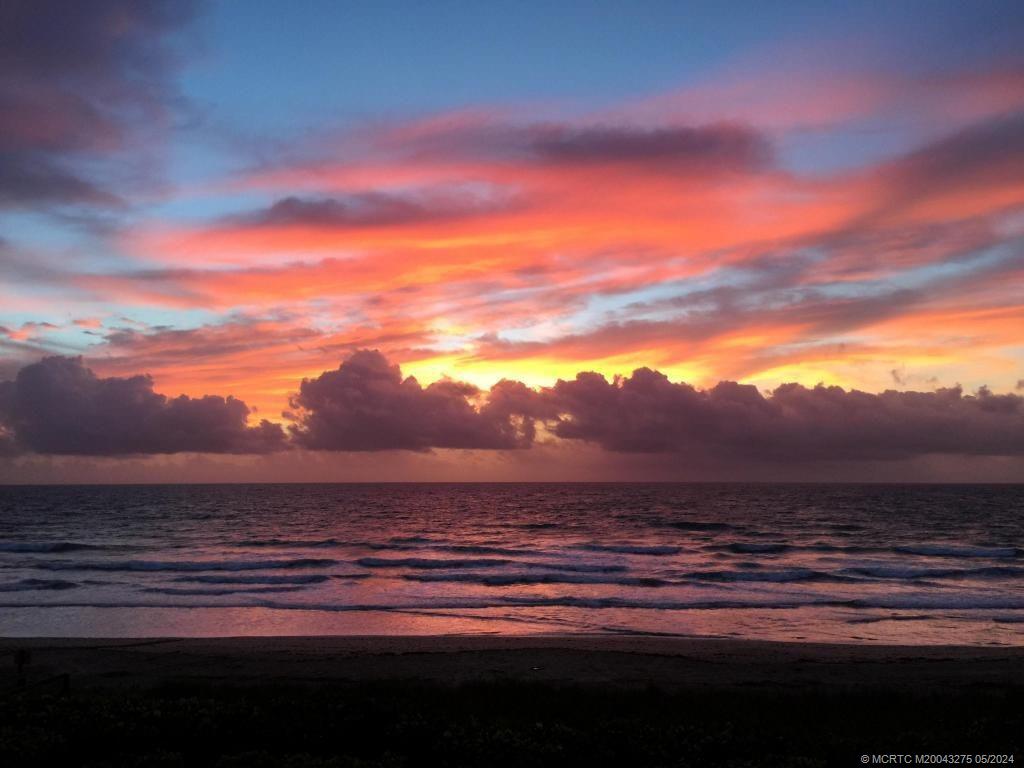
(906, 564)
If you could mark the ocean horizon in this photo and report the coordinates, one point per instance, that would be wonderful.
(844, 563)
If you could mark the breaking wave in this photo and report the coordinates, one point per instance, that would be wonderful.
(182, 565)
(632, 549)
(51, 547)
(31, 585)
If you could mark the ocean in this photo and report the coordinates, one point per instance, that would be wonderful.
(905, 564)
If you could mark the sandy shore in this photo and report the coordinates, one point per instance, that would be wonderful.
(503, 702)
(604, 661)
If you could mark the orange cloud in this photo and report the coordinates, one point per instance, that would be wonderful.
(481, 245)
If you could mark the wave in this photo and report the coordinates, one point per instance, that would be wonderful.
(941, 602)
(461, 563)
(420, 542)
(755, 548)
(578, 567)
(417, 562)
(778, 548)
(667, 605)
(510, 579)
(455, 549)
(878, 619)
(780, 576)
(885, 571)
(696, 525)
(29, 585)
(461, 603)
(182, 565)
(632, 549)
(850, 549)
(902, 602)
(952, 550)
(854, 574)
(289, 543)
(217, 592)
(482, 549)
(50, 547)
(899, 572)
(306, 578)
(399, 544)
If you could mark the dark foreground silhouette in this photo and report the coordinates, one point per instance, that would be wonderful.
(501, 702)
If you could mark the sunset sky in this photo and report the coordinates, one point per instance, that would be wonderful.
(822, 200)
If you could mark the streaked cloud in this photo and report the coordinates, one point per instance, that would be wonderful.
(777, 217)
(80, 83)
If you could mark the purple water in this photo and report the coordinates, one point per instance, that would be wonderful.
(834, 563)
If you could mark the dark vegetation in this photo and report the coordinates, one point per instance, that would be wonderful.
(496, 724)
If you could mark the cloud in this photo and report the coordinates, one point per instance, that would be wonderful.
(366, 405)
(480, 137)
(647, 413)
(78, 81)
(8, 446)
(980, 152)
(33, 178)
(369, 209)
(495, 245)
(229, 339)
(973, 170)
(789, 91)
(705, 148)
(28, 330)
(58, 406)
(264, 357)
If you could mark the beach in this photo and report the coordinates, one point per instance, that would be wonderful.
(621, 662)
(511, 385)
(510, 625)
(502, 700)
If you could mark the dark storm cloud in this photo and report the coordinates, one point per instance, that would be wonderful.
(366, 405)
(58, 406)
(647, 412)
(77, 80)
